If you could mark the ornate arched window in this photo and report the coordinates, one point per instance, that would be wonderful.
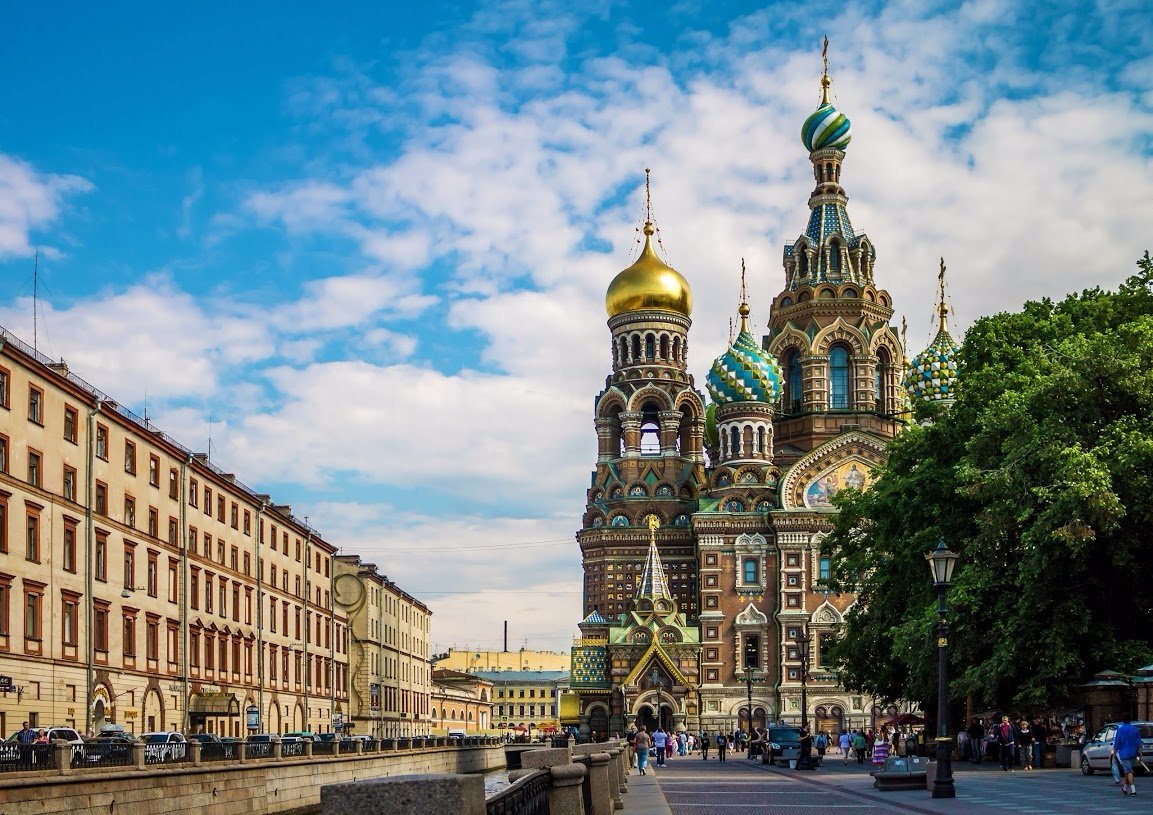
(650, 346)
(880, 377)
(839, 377)
(750, 570)
(793, 393)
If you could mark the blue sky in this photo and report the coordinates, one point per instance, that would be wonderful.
(364, 248)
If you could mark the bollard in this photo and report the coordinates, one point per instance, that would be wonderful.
(359, 746)
(616, 776)
(564, 794)
(410, 794)
(194, 748)
(62, 756)
(241, 751)
(596, 780)
(138, 755)
(308, 748)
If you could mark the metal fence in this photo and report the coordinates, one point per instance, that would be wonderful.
(25, 757)
(526, 796)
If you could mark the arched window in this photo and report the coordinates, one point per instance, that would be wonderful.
(839, 378)
(879, 378)
(750, 570)
(676, 349)
(650, 429)
(734, 442)
(761, 440)
(664, 346)
(636, 348)
(752, 648)
(624, 353)
(650, 346)
(793, 393)
(834, 259)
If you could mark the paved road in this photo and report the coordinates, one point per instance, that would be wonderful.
(742, 787)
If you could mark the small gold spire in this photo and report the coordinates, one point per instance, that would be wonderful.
(743, 308)
(648, 202)
(654, 523)
(825, 81)
(942, 308)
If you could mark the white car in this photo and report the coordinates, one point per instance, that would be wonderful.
(1095, 753)
(164, 746)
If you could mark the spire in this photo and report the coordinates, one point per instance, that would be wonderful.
(654, 585)
(942, 309)
(743, 309)
(825, 81)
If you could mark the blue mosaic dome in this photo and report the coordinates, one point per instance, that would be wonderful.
(744, 373)
(826, 127)
(932, 374)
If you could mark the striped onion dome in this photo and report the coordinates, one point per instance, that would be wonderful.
(826, 127)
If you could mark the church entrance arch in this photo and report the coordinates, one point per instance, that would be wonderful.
(647, 716)
(598, 723)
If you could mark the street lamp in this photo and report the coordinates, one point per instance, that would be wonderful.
(941, 561)
(656, 680)
(750, 672)
(803, 641)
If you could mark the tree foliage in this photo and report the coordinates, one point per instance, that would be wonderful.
(1041, 477)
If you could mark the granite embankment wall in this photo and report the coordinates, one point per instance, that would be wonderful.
(285, 785)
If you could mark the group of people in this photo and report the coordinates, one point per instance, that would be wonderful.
(663, 745)
(28, 735)
(1018, 744)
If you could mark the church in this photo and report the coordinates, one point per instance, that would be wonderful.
(705, 595)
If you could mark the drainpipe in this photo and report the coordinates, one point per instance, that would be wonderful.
(90, 542)
(184, 465)
(259, 616)
(332, 638)
(307, 626)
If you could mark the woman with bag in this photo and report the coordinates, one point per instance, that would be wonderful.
(641, 745)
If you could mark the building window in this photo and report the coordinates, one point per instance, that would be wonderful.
(71, 420)
(154, 471)
(153, 522)
(153, 578)
(129, 457)
(32, 542)
(752, 656)
(193, 491)
(68, 560)
(5, 385)
(824, 643)
(173, 483)
(129, 568)
(32, 619)
(5, 600)
(34, 467)
(129, 636)
(824, 569)
(35, 405)
(751, 572)
(152, 640)
(793, 394)
(101, 442)
(69, 483)
(101, 566)
(3, 454)
(879, 376)
(234, 516)
(839, 378)
(194, 649)
(70, 621)
(101, 498)
(220, 508)
(129, 511)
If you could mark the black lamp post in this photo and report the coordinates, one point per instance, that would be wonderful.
(804, 761)
(941, 561)
(750, 673)
(656, 680)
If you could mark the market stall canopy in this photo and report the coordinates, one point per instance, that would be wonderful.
(906, 718)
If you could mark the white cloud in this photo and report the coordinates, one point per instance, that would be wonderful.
(31, 200)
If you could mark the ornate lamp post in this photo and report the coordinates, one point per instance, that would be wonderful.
(941, 561)
(656, 680)
(803, 646)
(750, 673)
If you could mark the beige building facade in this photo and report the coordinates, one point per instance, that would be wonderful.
(524, 659)
(390, 679)
(142, 586)
(460, 702)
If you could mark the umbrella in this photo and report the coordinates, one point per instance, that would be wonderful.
(906, 718)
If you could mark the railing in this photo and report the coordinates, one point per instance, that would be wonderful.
(526, 796)
(16, 758)
(96, 755)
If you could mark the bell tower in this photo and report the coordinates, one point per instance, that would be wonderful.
(650, 423)
(829, 327)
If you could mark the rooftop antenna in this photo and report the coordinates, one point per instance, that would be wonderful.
(146, 406)
(210, 420)
(35, 301)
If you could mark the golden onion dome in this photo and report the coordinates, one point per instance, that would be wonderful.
(649, 283)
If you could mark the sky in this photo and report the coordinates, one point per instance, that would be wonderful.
(360, 252)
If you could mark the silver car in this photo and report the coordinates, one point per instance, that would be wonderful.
(1095, 753)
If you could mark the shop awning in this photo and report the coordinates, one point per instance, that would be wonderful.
(214, 704)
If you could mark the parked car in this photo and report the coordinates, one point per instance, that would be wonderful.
(1095, 753)
(305, 735)
(212, 746)
(291, 745)
(784, 744)
(113, 748)
(164, 746)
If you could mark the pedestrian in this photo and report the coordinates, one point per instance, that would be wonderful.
(870, 738)
(1006, 737)
(1040, 737)
(703, 740)
(641, 744)
(722, 746)
(859, 746)
(805, 756)
(881, 750)
(660, 740)
(670, 745)
(963, 744)
(630, 739)
(1127, 744)
(682, 743)
(821, 742)
(1025, 744)
(42, 738)
(976, 737)
(845, 743)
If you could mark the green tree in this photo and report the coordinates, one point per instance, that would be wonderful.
(1041, 477)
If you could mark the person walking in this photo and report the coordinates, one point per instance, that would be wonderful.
(660, 740)
(641, 744)
(630, 739)
(1025, 744)
(722, 746)
(845, 742)
(880, 751)
(859, 746)
(976, 737)
(1007, 741)
(703, 740)
(1040, 737)
(1127, 744)
(821, 742)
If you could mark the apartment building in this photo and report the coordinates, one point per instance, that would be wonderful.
(140, 585)
(390, 670)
